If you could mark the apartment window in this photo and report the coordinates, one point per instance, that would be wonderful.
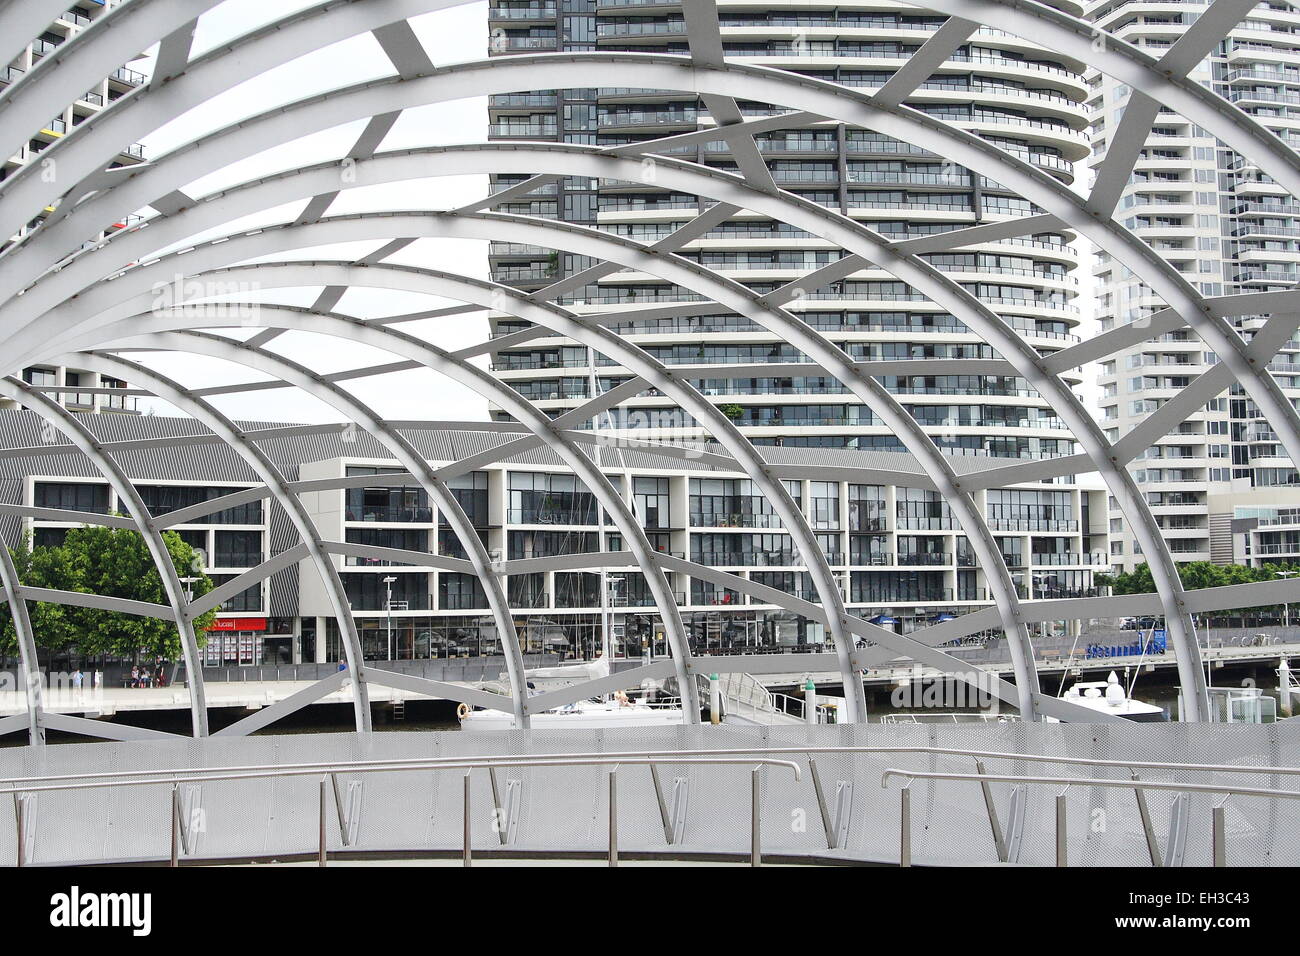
(867, 508)
(651, 501)
(71, 496)
(460, 591)
(538, 544)
(369, 592)
(733, 502)
(237, 549)
(49, 537)
(824, 504)
(249, 599)
(400, 538)
(541, 498)
(471, 493)
(164, 499)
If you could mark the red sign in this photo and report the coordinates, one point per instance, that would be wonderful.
(238, 624)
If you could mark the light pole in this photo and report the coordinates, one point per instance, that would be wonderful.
(611, 583)
(189, 599)
(388, 608)
(1286, 605)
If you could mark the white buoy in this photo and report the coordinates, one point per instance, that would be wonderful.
(810, 701)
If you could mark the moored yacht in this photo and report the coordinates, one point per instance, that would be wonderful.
(1109, 697)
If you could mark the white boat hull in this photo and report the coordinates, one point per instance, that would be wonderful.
(588, 716)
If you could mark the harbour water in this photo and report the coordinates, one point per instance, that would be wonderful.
(883, 701)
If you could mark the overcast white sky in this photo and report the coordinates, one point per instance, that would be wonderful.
(449, 36)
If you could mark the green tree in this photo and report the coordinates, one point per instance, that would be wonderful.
(732, 410)
(1199, 574)
(113, 562)
(54, 626)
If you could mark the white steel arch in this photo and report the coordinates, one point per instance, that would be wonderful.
(81, 437)
(464, 289)
(441, 361)
(318, 26)
(28, 323)
(291, 372)
(171, 392)
(853, 236)
(823, 98)
(26, 647)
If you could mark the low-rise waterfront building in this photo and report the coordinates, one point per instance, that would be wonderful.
(899, 554)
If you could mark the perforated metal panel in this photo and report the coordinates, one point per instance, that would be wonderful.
(565, 809)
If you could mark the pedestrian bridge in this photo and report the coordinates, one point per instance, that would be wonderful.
(992, 794)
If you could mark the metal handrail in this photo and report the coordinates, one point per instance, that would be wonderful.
(1219, 843)
(626, 756)
(756, 757)
(331, 771)
(379, 766)
(1092, 782)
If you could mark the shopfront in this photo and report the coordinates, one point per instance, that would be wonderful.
(236, 642)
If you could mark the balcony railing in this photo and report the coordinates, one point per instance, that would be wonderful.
(587, 516)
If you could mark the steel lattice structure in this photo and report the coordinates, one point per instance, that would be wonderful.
(91, 307)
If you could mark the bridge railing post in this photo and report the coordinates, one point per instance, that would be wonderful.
(827, 825)
(664, 818)
(176, 825)
(1062, 850)
(1219, 833)
(467, 851)
(905, 824)
(321, 851)
(21, 823)
(999, 841)
(613, 816)
(1144, 812)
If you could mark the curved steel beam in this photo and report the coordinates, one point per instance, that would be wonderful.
(830, 100)
(262, 360)
(188, 163)
(1169, 284)
(853, 236)
(1165, 280)
(1080, 40)
(919, 650)
(19, 22)
(311, 29)
(923, 651)
(116, 37)
(200, 410)
(86, 442)
(93, 144)
(1288, 449)
(443, 362)
(26, 638)
(875, 395)
(607, 342)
